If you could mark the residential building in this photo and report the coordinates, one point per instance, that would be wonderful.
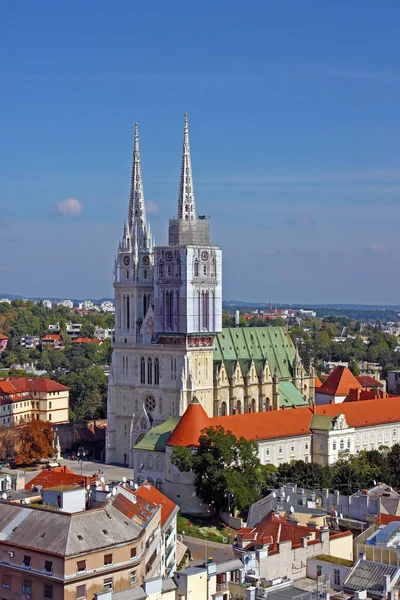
(86, 305)
(100, 333)
(53, 340)
(29, 341)
(86, 340)
(5, 300)
(23, 399)
(55, 327)
(277, 547)
(3, 342)
(58, 476)
(67, 303)
(332, 570)
(47, 304)
(363, 505)
(375, 579)
(107, 307)
(73, 329)
(115, 546)
(169, 511)
(169, 344)
(393, 381)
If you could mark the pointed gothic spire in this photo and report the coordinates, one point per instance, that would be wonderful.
(137, 211)
(186, 201)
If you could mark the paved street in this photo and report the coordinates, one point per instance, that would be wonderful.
(202, 550)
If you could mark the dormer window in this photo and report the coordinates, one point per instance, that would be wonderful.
(196, 268)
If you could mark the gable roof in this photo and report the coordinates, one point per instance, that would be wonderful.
(339, 383)
(190, 425)
(86, 340)
(370, 576)
(272, 530)
(28, 384)
(58, 476)
(149, 492)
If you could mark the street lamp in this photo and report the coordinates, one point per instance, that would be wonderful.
(81, 455)
(229, 496)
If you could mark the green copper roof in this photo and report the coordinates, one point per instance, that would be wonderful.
(273, 344)
(290, 395)
(322, 422)
(156, 438)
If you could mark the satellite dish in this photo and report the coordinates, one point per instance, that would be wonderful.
(131, 482)
(4, 496)
(27, 501)
(335, 513)
(273, 495)
(288, 499)
(341, 515)
(291, 509)
(136, 486)
(8, 478)
(337, 521)
(374, 482)
(124, 480)
(114, 491)
(107, 488)
(102, 479)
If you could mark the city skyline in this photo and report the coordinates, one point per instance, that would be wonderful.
(295, 155)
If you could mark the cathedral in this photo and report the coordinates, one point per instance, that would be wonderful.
(169, 345)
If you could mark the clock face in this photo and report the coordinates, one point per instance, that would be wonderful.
(168, 255)
(126, 260)
(146, 260)
(204, 255)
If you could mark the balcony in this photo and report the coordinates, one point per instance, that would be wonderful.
(222, 587)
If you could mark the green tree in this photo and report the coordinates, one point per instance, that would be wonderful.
(221, 464)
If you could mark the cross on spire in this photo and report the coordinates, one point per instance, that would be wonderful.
(186, 201)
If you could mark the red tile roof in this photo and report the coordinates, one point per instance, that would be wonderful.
(383, 519)
(86, 340)
(133, 506)
(148, 492)
(28, 384)
(190, 425)
(49, 478)
(339, 383)
(283, 423)
(272, 530)
(51, 336)
(3, 337)
(367, 381)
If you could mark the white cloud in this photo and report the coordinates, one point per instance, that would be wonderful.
(378, 248)
(70, 207)
(151, 207)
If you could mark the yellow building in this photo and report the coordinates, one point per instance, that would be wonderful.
(24, 399)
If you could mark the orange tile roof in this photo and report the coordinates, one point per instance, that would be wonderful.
(3, 337)
(317, 383)
(283, 423)
(49, 478)
(272, 530)
(384, 519)
(190, 425)
(86, 340)
(148, 492)
(134, 507)
(339, 383)
(51, 336)
(28, 384)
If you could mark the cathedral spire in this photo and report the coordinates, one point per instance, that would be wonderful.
(137, 211)
(186, 202)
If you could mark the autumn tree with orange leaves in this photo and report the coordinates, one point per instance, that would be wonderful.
(34, 441)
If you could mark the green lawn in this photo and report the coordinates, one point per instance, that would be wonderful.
(204, 528)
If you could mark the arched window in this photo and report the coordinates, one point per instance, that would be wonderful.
(205, 270)
(239, 407)
(143, 424)
(222, 409)
(178, 267)
(253, 405)
(348, 443)
(341, 445)
(128, 316)
(169, 270)
(145, 274)
(150, 480)
(213, 268)
(142, 370)
(196, 268)
(156, 371)
(149, 462)
(161, 269)
(334, 445)
(145, 307)
(149, 371)
(159, 464)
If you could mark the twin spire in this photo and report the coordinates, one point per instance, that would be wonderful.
(137, 228)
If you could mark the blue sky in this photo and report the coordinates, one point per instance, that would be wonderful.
(294, 121)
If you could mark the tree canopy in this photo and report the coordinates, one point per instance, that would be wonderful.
(223, 464)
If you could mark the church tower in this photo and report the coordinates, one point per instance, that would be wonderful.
(133, 289)
(168, 310)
